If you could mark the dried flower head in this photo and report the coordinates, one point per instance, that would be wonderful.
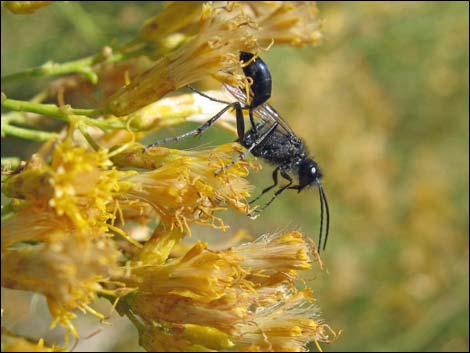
(182, 187)
(75, 191)
(77, 184)
(67, 204)
(179, 109)
(223, 33)
(68, 272)
(177, 23)
(229, 294)
(287, 326)
(295, 23)
(167, 337)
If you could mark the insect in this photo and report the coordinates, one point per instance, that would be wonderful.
(270, 138)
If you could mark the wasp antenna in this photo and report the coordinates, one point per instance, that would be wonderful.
(321, 217)
(323, 195)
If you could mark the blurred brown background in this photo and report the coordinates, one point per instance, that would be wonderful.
(383, 106)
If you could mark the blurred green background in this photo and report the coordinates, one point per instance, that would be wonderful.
(383, 106)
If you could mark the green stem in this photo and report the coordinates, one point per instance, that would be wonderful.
(34, 135)
(81, 66)
(54, 69)
(51, 110)
(66, 113)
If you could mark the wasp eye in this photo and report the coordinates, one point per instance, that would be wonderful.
(313, 170)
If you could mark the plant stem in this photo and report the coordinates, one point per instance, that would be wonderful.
(28, 134)
(51, 110)
(65, 113)
(81, 66)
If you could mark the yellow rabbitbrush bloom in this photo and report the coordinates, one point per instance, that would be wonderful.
(66, 209)
(229, 292)
(212, 44)
(287, 326)
(182, 186)
(166, 337)
(182, 108)
(223, 313)
(176, 23)
(69, 272)
(276, 253)
(223, 33)
(78, 185)
(200, 274)
(295, 23)
(67, 205)
(34, 223)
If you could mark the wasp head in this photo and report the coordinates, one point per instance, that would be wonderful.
(309, 174)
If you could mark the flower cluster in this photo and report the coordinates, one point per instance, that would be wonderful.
(70, 208)
(102, 216)
(238, 299)
(210, 40)
(64, 211)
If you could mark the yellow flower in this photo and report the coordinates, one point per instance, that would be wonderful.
(32, 183)
(296, 23)
(84, 185)
(211, 45)
(182, 186)
(175, 24)
(200, 274)
(287, 326)
(223, 313)
(34, 223)
(165, 337)
(223, 33)
(157, 249)
(272, 263)
(178, 109)
(276, 253)
(75, 192)
(248, 293)
(69, 273)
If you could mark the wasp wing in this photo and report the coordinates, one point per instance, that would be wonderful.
(265, 112)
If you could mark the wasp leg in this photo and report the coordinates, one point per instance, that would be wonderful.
(197, 131)
(276, 194)
(252, 120)
(275, 175)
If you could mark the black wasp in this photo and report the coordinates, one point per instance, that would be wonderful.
(270, 138)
